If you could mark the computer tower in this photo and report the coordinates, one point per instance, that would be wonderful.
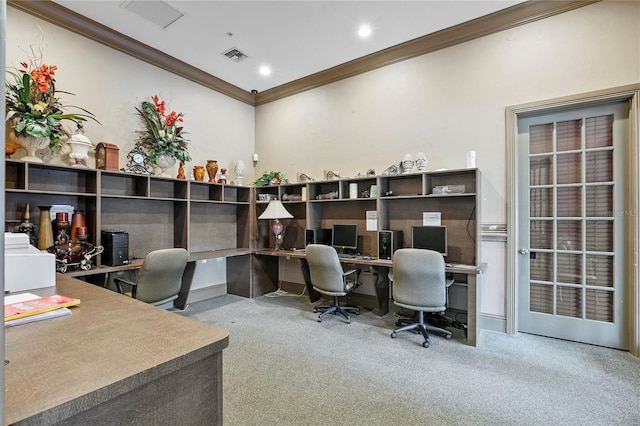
(388, 243)
(116, 248)
(318, 236)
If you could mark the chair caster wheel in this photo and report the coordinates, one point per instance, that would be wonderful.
(447, 336)
(398, 323)
(319, 319)
(394, 335)
(315, 311)
(425, 344)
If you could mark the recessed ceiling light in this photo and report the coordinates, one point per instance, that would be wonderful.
(364, 31)
(265, 70)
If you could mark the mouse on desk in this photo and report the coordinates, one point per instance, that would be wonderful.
(366, 257)
(449, 265)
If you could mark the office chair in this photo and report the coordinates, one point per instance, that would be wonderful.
(159, 279)
(328, 277)
(419, 284)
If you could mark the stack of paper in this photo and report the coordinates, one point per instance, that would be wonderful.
(27, 307)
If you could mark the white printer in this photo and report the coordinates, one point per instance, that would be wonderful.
(26, 267)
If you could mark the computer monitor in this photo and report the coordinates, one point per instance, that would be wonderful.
(430, 238)
(345, 237)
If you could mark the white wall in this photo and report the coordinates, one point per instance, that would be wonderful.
(451, 101)
(111, 84)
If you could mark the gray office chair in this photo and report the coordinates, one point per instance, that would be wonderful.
(159, 279)
(328, 277)
(419, 284)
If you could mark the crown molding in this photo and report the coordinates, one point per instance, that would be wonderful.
(520, 14)
(511, 17)
(74, 22)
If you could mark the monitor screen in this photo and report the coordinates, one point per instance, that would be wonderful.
(430, 238)
(345, 236)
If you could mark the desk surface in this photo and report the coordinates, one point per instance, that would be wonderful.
(109, 345)
(360, 260)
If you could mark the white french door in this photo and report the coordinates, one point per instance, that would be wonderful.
(571, 206)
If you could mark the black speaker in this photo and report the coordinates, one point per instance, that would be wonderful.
(388, 243)
(116, 248)
(318, 236)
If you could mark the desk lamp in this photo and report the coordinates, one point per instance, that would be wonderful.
(276, 211)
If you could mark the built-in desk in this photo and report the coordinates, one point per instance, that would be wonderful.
(265, 279)
(237, 264)
(114, 360)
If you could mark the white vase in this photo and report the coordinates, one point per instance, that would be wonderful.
(31, 144)
(165, 161)
(239, 169)
(80, 145)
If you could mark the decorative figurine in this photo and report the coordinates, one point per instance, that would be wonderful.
(223, 176)
(421, 162)
(26, 227)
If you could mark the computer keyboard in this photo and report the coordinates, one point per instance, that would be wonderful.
(346, 256)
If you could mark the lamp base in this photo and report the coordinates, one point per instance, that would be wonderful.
(278, 233)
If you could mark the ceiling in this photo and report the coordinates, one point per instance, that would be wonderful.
(294, 38)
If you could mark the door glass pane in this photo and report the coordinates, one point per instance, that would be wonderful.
(600, 270)
(541, 267)
(541, 171)
(599, 201)
(541, 298)
(569, 235)
(541, 234)
(599, 305)
(569, 202)
(570, 268)
(541, 202)
(569, 301)
(599, 235)
(599, 166)
(541, 138)
(569, 168)
(568, 135)
(599, 131)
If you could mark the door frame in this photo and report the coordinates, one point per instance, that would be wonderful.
(631, 94)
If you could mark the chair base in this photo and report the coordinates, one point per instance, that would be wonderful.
(336, 309)
(436, 320)
(421, 327)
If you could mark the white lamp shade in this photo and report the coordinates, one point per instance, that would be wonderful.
(275, 210)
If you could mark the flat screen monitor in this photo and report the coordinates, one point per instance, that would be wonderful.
(430, 238)
(345, 237)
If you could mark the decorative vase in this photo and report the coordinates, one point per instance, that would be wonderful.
(80, 145)
(165, 161)
(212, 169)
(421, 162)
(45, 233)
(181, 171)
(31, 144)
(239, 169)
(198, 173)
(77, 221)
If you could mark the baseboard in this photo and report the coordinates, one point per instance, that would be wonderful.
(205, 293)
(492, 323)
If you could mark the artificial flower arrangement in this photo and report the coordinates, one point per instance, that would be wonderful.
(33, 107)
(271, 178)
(162, 135)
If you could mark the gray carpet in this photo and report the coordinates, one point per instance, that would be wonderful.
(282, 367)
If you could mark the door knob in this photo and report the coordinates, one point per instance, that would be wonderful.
(523, 251)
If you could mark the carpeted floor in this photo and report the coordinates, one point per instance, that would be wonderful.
(282, 367)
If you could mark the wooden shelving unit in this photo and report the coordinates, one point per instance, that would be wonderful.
(157, 212)
(398, 202)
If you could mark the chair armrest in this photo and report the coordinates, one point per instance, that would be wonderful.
(119, 281)
(356, 280)
(449, 282)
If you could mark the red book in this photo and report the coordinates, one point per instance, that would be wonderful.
(37, 306)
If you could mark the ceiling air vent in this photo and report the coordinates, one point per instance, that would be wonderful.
(235, 55)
